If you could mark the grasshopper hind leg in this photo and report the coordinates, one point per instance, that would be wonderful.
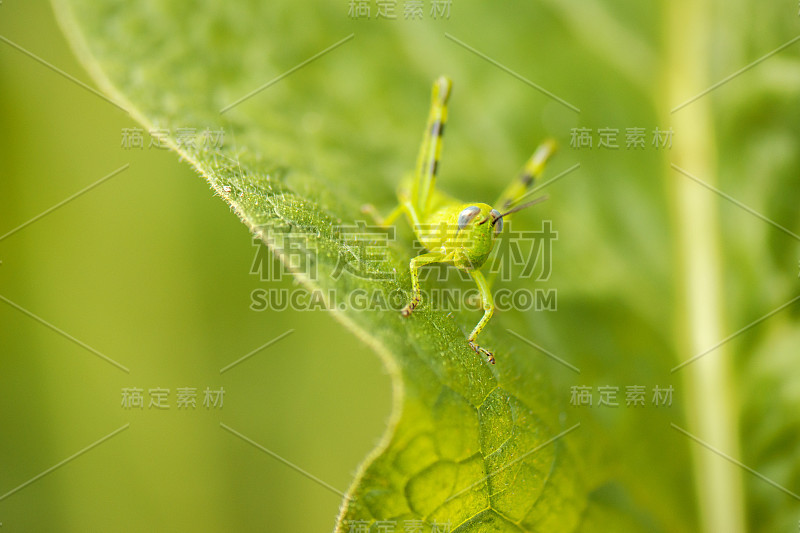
(533, 169)
(431, 148)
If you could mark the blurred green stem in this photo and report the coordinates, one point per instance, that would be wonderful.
(711, 411)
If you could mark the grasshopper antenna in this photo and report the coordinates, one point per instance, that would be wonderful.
(517, 208)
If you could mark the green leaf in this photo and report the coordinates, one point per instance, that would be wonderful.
(468, 444)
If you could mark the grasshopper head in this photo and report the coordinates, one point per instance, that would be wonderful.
(477, 226)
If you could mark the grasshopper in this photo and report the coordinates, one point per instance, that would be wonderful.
(451, 230)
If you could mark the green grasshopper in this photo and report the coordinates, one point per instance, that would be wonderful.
(453, 231)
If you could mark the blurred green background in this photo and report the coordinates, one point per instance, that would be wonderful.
(160, 283)
(152, 270)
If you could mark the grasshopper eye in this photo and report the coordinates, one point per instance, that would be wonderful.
(497, 221)
(467, 215)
